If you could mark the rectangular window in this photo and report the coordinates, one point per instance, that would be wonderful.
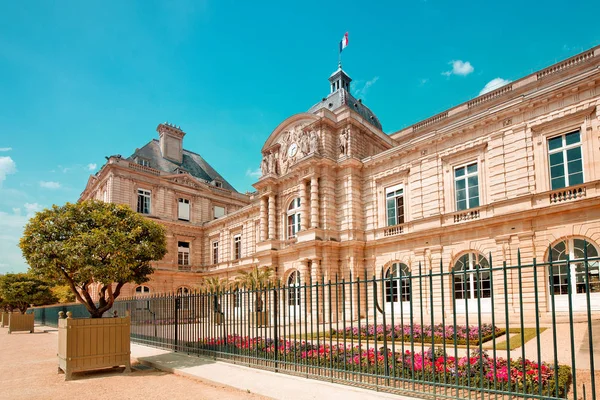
(183, 210)
(219, 211)
(394, 199)
(566, 166)
(237, 247)
(183, 253)
(466, 186)
(143, 203)
(143, 162)
(215, 252)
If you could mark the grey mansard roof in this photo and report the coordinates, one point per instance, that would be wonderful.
(342, 97)
(192, 163)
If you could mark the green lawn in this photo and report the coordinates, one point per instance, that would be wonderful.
(515, 337)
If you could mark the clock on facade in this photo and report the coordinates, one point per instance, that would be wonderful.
(292, 150)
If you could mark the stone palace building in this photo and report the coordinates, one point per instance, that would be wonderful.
(515, 168)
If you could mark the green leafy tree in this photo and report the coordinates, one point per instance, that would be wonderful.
(63, 293)
(18, 291)
(90, 243)
(215, 285)
(255, 279)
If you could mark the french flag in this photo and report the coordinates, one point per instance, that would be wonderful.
(344, 42)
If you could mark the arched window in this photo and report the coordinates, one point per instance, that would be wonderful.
(396, 277)
(577, 250)
(142, 290)
(184, 293)
(293, 218)
(294, 289)
(466, 283)
(237, 298)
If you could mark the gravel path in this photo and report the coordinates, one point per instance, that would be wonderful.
(28, 370)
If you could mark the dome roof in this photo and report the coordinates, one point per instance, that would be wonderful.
(340, 98)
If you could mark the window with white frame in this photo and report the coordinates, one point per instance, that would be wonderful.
(294, 289)
(394, 203)
(144, 201)
(183, 253)
(237, 247)
(183, 209)
(215, 252)
(466, 186)
(293, 218)
(472, 277)
(565, 161)
(143, 162)
(397, 276)
(184, 297)
(142, 289)
(218, 211)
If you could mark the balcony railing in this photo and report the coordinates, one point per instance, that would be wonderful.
(467, 215)
(566, 194)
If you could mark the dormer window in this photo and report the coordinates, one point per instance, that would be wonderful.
(180, 171)
(143, 162)
(218, 184)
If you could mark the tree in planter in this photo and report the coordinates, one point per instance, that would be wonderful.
(90, 243)
(254, 280)
(19, 291)
(215, 285)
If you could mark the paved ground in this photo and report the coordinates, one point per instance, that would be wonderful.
(28, 370)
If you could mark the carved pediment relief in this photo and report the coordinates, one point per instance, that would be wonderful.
(291, 144)
(184, 179)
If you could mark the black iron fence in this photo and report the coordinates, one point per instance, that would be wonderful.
(477, 331)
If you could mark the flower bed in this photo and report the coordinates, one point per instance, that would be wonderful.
(478, 370)
(440, 333)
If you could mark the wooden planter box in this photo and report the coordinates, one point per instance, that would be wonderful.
(4, 319)
(18, 322)
(93, 343)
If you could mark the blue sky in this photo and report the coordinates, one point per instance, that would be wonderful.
(83, 80)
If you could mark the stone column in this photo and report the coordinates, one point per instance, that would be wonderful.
(271, 217)
(303, 206)
(314, 202)
(263, 218)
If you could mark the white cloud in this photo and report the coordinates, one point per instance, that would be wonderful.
(459, 67)
(360, 89)
(494, 84)
(49, 185)
(91, 166)
(5, 148)
(11, 230)
(31, 208)
(7, 167)
(254, 174)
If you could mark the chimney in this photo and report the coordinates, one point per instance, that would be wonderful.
(171, 142)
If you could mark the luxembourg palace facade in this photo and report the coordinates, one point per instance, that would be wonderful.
(515, 169)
